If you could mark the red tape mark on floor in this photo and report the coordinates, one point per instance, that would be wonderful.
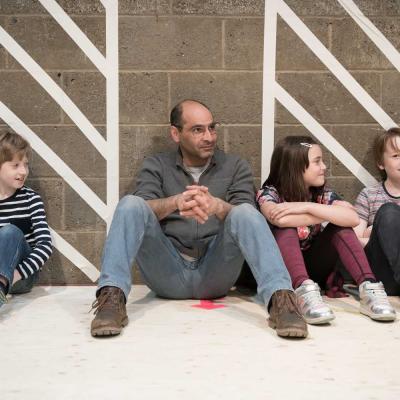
(208, 305)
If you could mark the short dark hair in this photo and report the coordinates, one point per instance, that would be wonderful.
(12, 144)
(175, 117)
(379, 146)
(288, 163)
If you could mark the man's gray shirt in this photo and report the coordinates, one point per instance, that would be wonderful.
(227, 177)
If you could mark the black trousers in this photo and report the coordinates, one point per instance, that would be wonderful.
(383, 248)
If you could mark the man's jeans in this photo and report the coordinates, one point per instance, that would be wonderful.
(13, 249)
(135, 233)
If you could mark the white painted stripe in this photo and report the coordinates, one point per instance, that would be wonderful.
(112, 109)
(323, 136)
(315, 45)
(268, 111)
(76, 34)
(372, 32)
(105, 3)
(74, 256)
(54, 91)
(53, 160)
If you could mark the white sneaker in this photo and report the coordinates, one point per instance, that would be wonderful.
(374, 302)
(310, 303)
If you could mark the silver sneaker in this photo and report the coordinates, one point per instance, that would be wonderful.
(374, 302)
(311, 305)
(3, 298)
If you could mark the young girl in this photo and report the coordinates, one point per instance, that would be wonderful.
(295, 202)
(378, 207)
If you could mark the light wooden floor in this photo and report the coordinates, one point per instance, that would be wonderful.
(171, 350)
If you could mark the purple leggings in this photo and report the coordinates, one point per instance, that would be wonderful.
(318, 261)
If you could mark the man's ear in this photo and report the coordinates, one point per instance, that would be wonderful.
(174, 132)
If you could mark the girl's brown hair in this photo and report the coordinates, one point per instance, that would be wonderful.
(288, 163)
(379, 146)
(12, 144)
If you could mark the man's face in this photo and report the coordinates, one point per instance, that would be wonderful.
(197, 137)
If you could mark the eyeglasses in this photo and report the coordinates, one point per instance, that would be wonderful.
(200, 130)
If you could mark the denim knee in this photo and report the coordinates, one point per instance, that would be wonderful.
(243, 211)
(11, 230)
(130, 203)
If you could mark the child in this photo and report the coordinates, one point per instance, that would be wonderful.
(295, 202)
(378, 207)
(25, 242)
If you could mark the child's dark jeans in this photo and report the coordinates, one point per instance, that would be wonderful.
(13, 249)
(383, 248)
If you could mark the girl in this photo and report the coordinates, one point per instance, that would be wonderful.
(378, 207)
(295, 202)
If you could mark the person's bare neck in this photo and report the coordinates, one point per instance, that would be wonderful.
(6, 193)
(393, 187)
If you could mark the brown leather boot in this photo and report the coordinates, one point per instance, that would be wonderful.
(285, 317)
(110, 312)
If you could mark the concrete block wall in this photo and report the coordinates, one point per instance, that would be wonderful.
(174, 49)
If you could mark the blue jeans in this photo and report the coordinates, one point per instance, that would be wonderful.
(13, 249)
(135, 233)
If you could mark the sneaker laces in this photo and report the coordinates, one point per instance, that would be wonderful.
(314, 298)
(380, 295)
(3, 297)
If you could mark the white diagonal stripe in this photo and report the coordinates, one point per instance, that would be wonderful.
(268, 112)
(315, 45)
(54, 161)
(74, 256)
(112, 110)
(54, 91)
(76, 34)
(323, 136)
(372, 32)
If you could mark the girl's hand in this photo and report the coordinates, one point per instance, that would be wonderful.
(289, 208)
(343, 204)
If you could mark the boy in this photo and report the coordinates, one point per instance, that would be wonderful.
(378, 207)
(25, 241)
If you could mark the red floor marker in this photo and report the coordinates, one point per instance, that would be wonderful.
(208, 305)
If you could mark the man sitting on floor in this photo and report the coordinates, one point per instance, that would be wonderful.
(189, 225)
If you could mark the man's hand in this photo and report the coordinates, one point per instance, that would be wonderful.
(193, 203)
(206, 205)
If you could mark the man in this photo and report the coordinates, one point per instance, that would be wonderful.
(189, 226)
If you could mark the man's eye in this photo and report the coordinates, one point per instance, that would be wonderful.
(197, 130)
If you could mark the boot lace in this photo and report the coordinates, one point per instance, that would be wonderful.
(107, 299)
(285, 301)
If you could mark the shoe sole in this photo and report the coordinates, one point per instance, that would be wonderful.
(288, 332)
(107, 331)
(377, 317)
(320, 321)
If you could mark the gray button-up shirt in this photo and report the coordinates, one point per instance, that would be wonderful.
(227, 177)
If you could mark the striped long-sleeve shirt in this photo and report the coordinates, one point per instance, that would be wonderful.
(25, 210)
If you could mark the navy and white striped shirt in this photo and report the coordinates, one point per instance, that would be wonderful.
(25, 210)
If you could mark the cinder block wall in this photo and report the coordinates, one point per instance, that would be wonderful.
(174, 49)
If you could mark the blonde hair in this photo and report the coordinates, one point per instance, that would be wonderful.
(12, 144)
